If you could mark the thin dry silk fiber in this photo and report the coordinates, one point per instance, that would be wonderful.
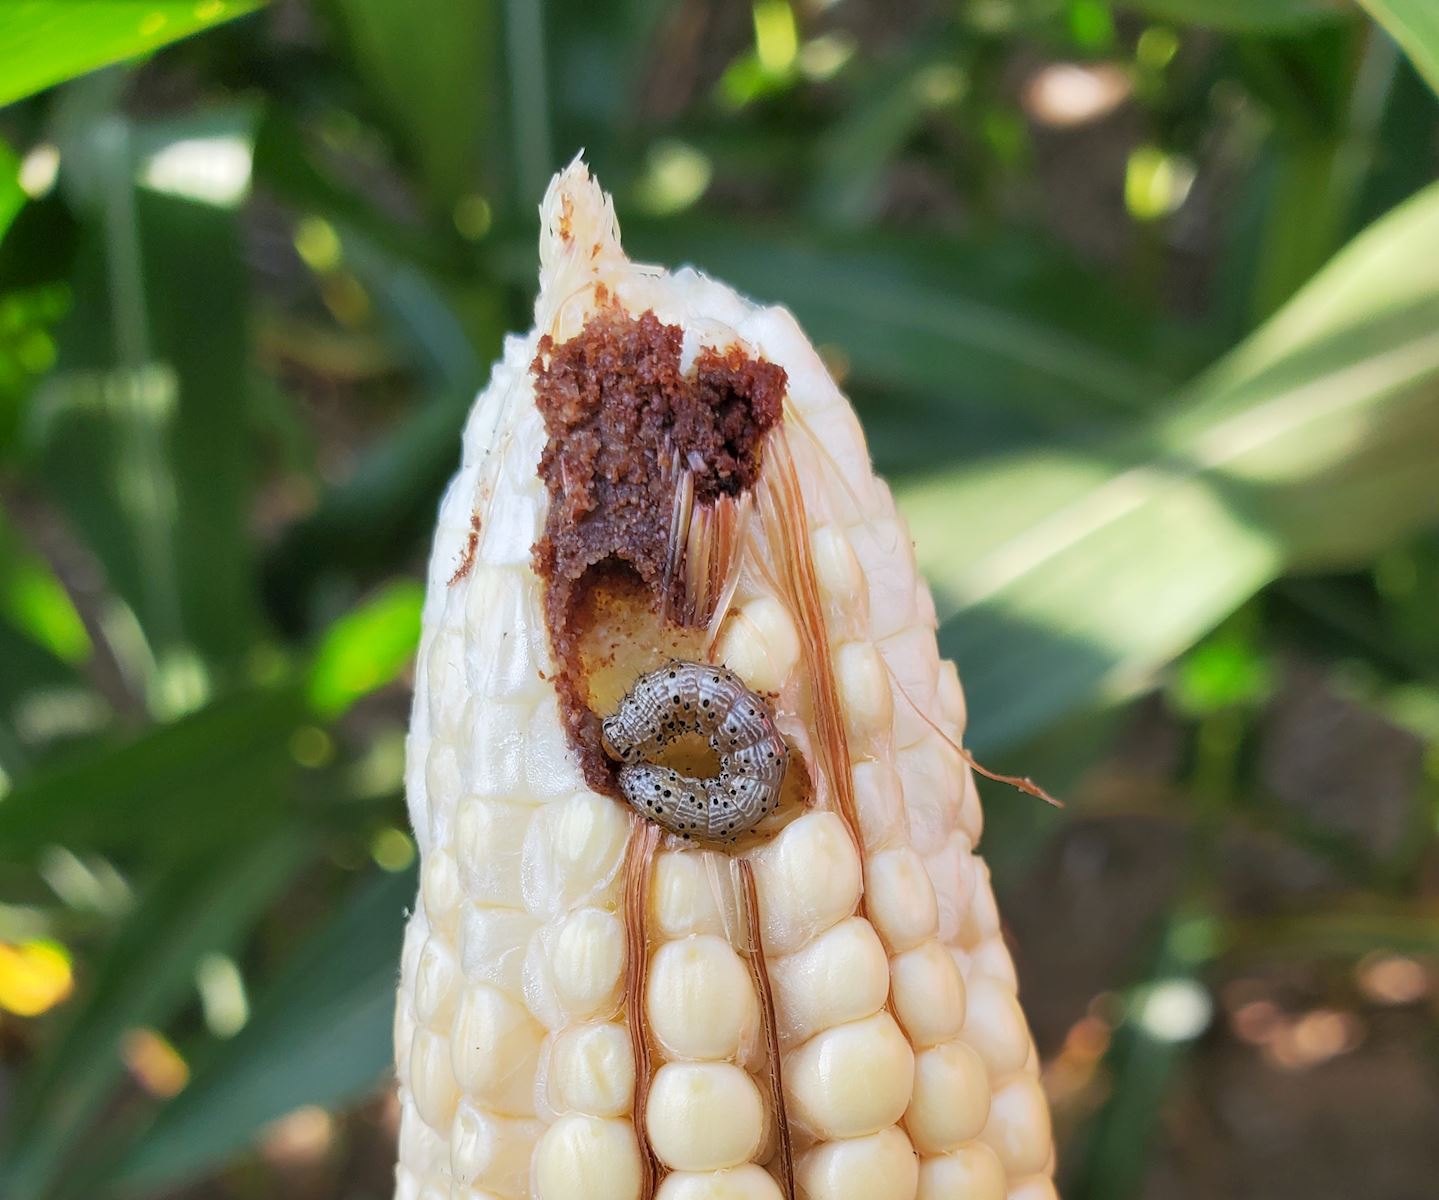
(590, 1006)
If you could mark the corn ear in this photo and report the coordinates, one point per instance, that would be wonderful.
(592, 1009)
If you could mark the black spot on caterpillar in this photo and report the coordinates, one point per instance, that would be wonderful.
(686, 697)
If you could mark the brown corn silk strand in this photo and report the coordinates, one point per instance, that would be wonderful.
(760, 973)
(782, 511)
(1021, 783)
(639, 865)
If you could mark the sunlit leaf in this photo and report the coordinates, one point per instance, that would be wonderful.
(12, 196)
(319, 1035)
(45, 42)
(1414, 24)
(1075, 574)
(1225, 670)
(36, 603)
(366, 648)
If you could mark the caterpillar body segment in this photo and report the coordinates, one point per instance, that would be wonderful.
(699, 698)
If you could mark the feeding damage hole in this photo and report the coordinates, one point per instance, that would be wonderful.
(626, 429)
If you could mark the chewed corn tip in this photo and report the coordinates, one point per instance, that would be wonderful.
(596, 1005)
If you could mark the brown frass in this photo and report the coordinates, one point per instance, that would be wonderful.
(622, 420)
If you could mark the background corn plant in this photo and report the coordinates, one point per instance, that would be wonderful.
(1140, 303)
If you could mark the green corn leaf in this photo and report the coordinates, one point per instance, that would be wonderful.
(366, 648)
(1071, 575)
(45, 42)
(156, 791)
(319, 1035)
(429, 66)
(997, 328)
(1244, 16)
(36, 604)
(12, 197)
(1414, 24)
(141, 431)
(203, 904)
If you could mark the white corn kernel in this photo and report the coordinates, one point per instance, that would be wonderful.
(417, 932)
(808, 879)
(421, 1147)
(931, 775)
(404, 1036)
(760, 644)
(881, 1166)
(879, 801)
(493, 944)
(592, 1070)
(952, 871)
(951, 1098)
(837, 570)
(994, 1026)
(886, 556)
(493, 1152)
(901, 899)
(549, 771)
(864, 690)
(991, 958)
(912, 659)
(840, 976)
(440, 887)
(747, 1182)
(490, 839)
(1036, 1187)
(587, 963)
(1018, 1126)
(572, 854)
(683, 896)
(929, 996)
(514, 524)
(972, 1172)
(494, 1050)
(587, 1158)
(704, 1116)
(950, 697)
(503, 600)
(700, 999)
(432, 1081)
(446, 666)
(971, 816)
(980, 920)
(497, 733)
(851, 1080)
(436, 982)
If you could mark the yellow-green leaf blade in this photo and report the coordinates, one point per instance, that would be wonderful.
(45, 42)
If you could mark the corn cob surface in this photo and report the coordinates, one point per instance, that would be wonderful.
(591, 1008)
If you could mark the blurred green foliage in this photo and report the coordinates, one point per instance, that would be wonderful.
(1161, 411)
